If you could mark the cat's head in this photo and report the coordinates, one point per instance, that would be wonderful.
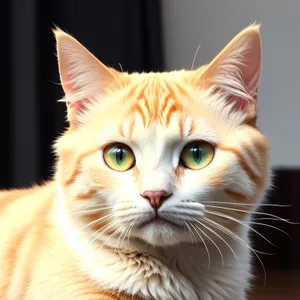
(161, 157)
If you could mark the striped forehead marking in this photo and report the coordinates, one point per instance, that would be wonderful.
(156, 101)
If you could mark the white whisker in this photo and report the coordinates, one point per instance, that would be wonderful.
(211, 230)
(195, 56)
(121, 236)
(191, 233)
(111, 236)
(98, 205)
(190, 81)
(131, 227)
(126, 233)
(247, 204)
(239, 240)
(288, 221)
(271, 226)
(253, 213)
(98, 220)
(239, 222)
(208, 254)
(207, 236)
(101, 231)
(231, 234)
(86, 211)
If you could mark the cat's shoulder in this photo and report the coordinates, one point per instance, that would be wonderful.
(25, 197)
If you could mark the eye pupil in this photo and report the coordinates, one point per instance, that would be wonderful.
(197, 155)
(119, 155)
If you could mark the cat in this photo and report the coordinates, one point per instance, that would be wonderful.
(156, 178)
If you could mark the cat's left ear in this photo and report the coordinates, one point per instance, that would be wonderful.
(84, 78)
(236, 70)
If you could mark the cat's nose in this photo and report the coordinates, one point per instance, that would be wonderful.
(156, 198)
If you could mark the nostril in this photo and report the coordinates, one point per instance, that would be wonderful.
(163, 198)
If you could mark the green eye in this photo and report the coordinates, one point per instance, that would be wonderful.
(197, 155)
(119, 157)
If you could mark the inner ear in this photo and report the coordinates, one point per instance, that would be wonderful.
(235, 72)
(84, 78)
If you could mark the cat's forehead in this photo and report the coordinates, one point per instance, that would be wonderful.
(155, 100)
(159, 107)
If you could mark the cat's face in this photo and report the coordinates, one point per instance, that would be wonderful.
(155, 156)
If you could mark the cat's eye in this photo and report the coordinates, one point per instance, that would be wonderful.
(119, 157)
(197, 155)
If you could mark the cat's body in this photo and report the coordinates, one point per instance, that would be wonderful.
(155, 182)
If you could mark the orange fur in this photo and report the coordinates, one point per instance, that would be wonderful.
(38, 257)
(30, 246)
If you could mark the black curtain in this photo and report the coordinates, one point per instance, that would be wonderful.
(5, 146)
(118, 32)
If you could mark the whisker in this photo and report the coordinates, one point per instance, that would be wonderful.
(288, 221)
(207, 236)
(271, 226)
(195, 56)
(230, 233)
(99, 205)
(98, 220)
(118, 80)
(191, 233)
(91, 210)
(118, 241)
(190, 81)
(211, 230)
(253, 213)
(241, 223)
(102, 230)
(126, 232)
(247, 204)
(239, 240)
(111, 236)
(121, 236)
(131, 227)
(106, 203)
(208, 254)
(121, 68)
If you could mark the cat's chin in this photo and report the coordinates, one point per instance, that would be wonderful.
(160, 234)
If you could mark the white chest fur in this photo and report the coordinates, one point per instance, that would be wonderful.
(172, 275)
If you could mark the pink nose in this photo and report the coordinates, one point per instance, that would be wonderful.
(155, 197)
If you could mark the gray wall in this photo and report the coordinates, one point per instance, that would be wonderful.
(212, 23)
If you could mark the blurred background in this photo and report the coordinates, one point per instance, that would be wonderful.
(153, 35)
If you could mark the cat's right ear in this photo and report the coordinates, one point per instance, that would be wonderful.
(84, 78)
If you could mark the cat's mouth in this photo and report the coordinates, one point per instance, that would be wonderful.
(159, 221)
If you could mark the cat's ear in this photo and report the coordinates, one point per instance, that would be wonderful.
(82, 75)
(236, 70)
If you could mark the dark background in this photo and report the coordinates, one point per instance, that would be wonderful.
(116, 31)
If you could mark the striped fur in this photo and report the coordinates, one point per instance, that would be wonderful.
(80, 236)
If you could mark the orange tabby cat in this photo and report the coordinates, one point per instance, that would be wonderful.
(155, 182)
